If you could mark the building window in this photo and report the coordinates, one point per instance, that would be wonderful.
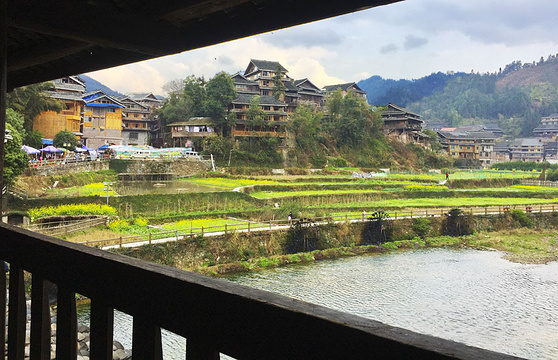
(265, 92)
(133, 136)
(111, 109)
(267, 108)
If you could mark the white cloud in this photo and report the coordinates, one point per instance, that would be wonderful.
(445, 35)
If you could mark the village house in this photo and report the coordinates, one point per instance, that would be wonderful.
(152, 102)
(102, 119)
(183, 132)
(69, 90)
(135, 122)
(402, 125)
(345, 88)
(274, 124)
(527, 149)
(308, 93)
(469, 145)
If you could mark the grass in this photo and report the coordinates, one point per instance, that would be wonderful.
(532, 246)
(94, 189)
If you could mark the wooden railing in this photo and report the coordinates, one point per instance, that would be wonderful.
(258, 133)
(271, 225)
(214, 315)
(66, 227)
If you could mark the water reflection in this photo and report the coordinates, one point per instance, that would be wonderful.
(469, 296)
(474, 297)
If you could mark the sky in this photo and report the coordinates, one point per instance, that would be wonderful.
(406, 40)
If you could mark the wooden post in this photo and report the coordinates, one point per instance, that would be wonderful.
(120, 242)
(226, 228)
(269, 224)
(3, 89)
(149, 238)
(102, 323)
(411, 214)
(176, 235)
(66, 325)
(248, 227)
(17, 314)
(40, 313)
(486, 210)
(426, 213)
(395, 216)
(202, 231)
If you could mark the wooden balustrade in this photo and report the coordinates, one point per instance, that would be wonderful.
(214, 315)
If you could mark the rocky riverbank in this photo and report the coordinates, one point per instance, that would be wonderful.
(83, 336)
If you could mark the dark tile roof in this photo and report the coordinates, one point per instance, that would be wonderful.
(467, 135)
(344, 87)
(264, 100)
(267, 65)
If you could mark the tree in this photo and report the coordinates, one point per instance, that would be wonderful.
(31, 100)
(16, 120)
(255, 115)
(195, 92)
(34, 138)
(305, 124)
(278, 86)
(176, 108)
(175, 86)
(220, 93)
(65, 139)
(15, 159)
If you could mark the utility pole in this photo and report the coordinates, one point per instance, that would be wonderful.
(107, 188)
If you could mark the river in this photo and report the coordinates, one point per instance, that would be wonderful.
(474, 297)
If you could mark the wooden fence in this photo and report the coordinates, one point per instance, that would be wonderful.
(66, 227)
(271, 225)
(538, 183)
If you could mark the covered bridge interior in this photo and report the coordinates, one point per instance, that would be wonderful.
(44, 40)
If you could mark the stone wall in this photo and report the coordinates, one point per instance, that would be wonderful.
(72, 168)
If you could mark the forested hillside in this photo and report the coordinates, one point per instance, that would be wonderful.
(515, 97)
(92, 84)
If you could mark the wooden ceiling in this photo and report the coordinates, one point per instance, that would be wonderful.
(50, 39)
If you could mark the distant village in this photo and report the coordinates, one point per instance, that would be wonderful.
(98, 119)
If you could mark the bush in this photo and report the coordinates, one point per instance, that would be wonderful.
(338, 162)
(522, 218)
(457, 223)
(378, 229)
(421, 227)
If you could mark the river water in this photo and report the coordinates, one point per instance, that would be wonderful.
(474, 297)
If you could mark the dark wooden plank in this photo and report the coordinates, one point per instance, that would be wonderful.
(17, 314)
(102, 324)
(146, 340)
(197, 349)
(40, 320)
(66, 324)
(2, 309)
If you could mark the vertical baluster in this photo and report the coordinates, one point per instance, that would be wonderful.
(102, 324)
(146, 340)
(66, 325)
(17, 315)
(40, 320)
(2, 311)
(200, 350)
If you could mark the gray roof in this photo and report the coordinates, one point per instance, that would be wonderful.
(194, 121)
(266, 65)
(143, 96)
(241, 79)
(527, 142)
(264, 100)
(480, 135)
(344, 87)
(64, 95)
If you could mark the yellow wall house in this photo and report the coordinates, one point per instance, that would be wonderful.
(102, 120)
(69, 91)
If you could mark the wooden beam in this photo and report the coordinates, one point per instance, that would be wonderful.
(44, 55)
(3, 90)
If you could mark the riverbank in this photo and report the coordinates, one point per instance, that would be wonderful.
(524, 237)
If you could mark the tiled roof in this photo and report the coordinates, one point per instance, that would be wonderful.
(64, 95)
(267, 65)
(344, 87)
(527, 142)
(467, 135)
(264, 100)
